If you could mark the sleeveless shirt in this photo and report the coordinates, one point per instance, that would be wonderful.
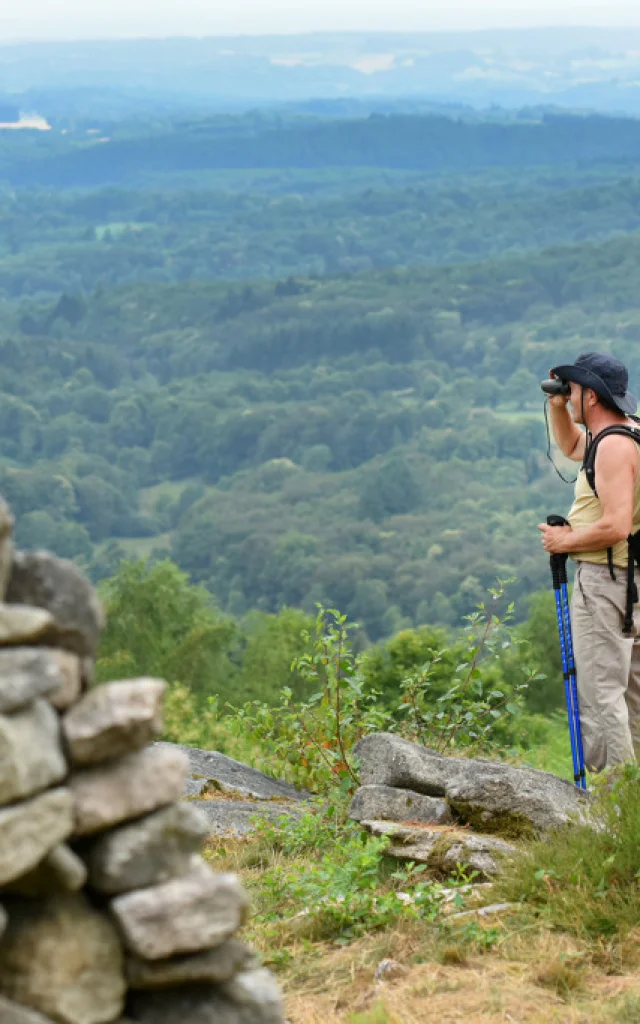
(587, 510)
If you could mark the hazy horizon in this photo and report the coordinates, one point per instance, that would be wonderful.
(189, 18)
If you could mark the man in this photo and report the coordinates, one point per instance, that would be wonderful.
(607, 661)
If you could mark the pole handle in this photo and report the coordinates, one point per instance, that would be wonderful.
(558, 563)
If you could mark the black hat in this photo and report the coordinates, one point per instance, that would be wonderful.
(605, 375)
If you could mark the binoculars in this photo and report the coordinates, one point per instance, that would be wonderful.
(555, 386)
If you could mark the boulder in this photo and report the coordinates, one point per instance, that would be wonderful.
(31, 757)
(13, 1013)
(492, 796)
(20, 624)
(445, 849)
(30, 830)
(212, 966)
(239, 817)
(56, 585)
(60, 871)
(383, 803)
(25, 674)
(147, 852)
(70, 688)
(63, 958)
(114, 719)
(186, 915)
(250, 998)
(209, 770)
(117, 791)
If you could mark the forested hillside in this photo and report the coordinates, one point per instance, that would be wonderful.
(307, 386)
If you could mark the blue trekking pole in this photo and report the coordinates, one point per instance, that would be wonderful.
(561, 590)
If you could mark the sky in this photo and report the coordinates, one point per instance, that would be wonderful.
(69, 19)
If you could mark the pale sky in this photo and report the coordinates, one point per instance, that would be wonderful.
(68, 19)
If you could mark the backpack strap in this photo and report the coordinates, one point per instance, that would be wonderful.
(633, 541)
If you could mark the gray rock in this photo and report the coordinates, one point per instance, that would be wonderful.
(55, 584)
(31, 757)
(6, 546)
(20, 624)
(25, 674)
(108, 794)
(383, 803)
(444, 850)
(239, 817)
(70, 688)
(63, 958)
(195, 912)
(209, 770)
(12, 1013)
(30, 830)
(60, 871)
(114, 719)
(211, 966)
(147, 852)
(490, 911)
(251, 998)
(491, 796)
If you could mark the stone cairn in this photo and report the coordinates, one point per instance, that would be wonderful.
(107, 910)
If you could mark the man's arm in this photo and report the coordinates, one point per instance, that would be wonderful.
(616, 470)
(570, 439)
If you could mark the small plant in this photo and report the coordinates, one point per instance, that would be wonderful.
(473, 707)
(341, 879)
(311, 741)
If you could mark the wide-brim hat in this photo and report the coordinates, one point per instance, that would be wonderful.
(605, 375)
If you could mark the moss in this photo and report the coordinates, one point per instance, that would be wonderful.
(508, 825)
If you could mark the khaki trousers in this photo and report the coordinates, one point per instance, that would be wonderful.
(607, 667)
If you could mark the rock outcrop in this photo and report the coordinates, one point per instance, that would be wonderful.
(490, 796)
(108, 912)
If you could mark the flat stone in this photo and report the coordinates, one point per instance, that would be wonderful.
(147, 852)
(383, 803)
(490, 911)
(25, 674)
(186, 915)
(60, 871)
(251, 998)
(209, 770)
(70, 688)
(13, 1013)
(212, 966)
(117, 791)
(31, 757)
(63, 958)
(114, 719)
(30, 830)
(239, 817)
(444, 850)
(491, 796)
(57, 585)
(21, 624)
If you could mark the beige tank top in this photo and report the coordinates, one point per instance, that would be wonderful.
(587, 510)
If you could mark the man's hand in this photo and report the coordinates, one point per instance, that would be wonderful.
(556, 540)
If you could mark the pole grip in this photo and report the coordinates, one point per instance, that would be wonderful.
(558, 563)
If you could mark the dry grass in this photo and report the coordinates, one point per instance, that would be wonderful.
(533, 979)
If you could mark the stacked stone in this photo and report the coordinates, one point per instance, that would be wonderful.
(106, 906)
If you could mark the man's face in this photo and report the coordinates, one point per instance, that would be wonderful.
(576, 402)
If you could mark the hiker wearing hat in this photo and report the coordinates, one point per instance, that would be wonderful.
(603, 519)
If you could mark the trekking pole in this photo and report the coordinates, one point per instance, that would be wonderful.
(561, 590)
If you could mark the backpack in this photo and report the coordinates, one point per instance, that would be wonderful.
(633, 540)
